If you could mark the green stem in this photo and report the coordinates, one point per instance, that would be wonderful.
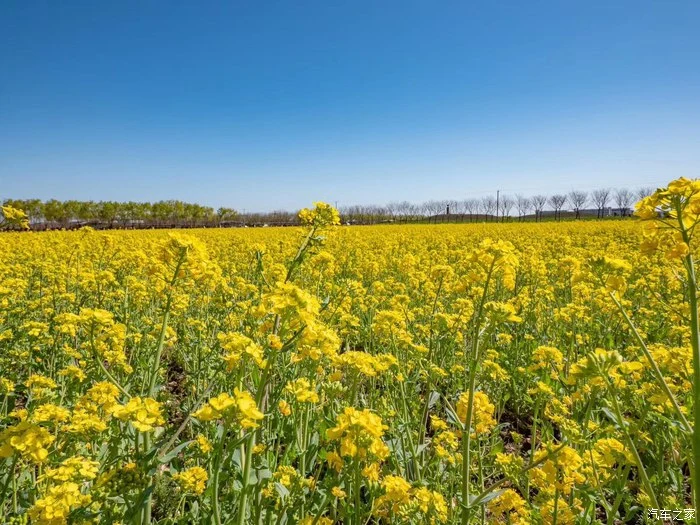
(164, 327)
(466, 447)
(156, 366)
(655, 368)
(10, 476)
(695, 342)
(637, 458)
(215, 479)
(249, 443)
(466, 437)
(356, 490)
(243, 510)
(102, 365)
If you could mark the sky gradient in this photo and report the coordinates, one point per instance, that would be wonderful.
(266, 105)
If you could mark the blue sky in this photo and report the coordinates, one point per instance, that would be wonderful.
(266, 105)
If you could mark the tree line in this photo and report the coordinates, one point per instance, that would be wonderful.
(52, 214)
(575, 204)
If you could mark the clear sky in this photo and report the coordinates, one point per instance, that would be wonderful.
(262, 105)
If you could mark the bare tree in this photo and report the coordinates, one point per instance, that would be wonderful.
(523, 204)
(436, 208)
(623, 199)
(600, 200)
(403, 209)
(415, 212)
(488, 206)
(424, 210)
(538, 202)
(507, 204)
(457, 209)
(644, 192)
(557, 202)
(578, 200)
(472, 207)
(392, 209)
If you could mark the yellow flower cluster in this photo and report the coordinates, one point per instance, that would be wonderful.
(482, 412)
(302, 391)
(239, 408)
(360, 434)
(60, 500)
(27, 439)
(364, 363)
(236, 346)
(401, 501)
(14, 217)
(339, 364)
(193, 480)
(144, 414)
(321, 215)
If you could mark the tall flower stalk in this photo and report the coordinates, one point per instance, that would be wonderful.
(672, 214)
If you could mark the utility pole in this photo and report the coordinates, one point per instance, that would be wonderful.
(498, 194)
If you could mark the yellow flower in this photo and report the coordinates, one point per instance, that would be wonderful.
(58, 503)
(204, 444)
(430, 503)
(335, 461)
(236, 346)
(193, 480)
(74, 372)
(437, 424)
(144, 414)
(239, 408)
(14, 217)
(284, 408)
(75, 469)
(311, 520)
(482, 412)
(6, 386)
(321, 215)
(50, 413)
(608, 452)
(509, 507)
(86, 421)
(302, 390)
(396, 490)
(102, 394)
(371, 472)
(360, 434)
(546, 357)
(560, 472)
(364, 363)
(501, 312)
(37, 382)
(28, 439)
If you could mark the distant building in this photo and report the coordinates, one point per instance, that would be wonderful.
(593, 212)
(608, 211)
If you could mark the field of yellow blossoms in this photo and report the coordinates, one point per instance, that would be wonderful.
(422, 374)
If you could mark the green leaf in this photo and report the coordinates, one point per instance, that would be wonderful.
(167, 458)
(282, 491)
